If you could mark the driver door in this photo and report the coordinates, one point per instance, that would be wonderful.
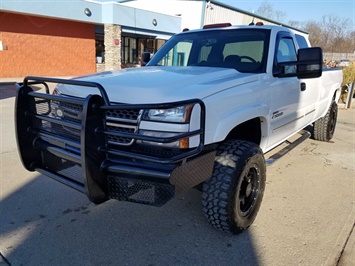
(286, 115)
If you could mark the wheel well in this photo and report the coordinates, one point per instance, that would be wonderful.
(249, 130)
(336, 95)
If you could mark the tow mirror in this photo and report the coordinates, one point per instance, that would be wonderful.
(145, 58)
(309, 64)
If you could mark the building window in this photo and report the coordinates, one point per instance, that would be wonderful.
(129, 55)
(132, 49)
(100, 46)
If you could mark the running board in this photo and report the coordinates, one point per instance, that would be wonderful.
(304, 135)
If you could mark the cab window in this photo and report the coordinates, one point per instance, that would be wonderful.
(286, 50)
(178, 55)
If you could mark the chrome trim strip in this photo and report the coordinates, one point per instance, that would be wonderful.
(116, 119)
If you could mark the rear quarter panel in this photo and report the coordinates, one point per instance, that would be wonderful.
(330, 86)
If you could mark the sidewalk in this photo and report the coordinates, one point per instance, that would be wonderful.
(10, 81)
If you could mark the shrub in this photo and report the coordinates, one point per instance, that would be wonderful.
(348, 78)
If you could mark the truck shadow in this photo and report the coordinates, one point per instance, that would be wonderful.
(9, 90)
(58, 226)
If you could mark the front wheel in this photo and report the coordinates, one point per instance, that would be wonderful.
(231, 198)
(324, 127)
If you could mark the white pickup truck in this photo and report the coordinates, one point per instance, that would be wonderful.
(202, 113)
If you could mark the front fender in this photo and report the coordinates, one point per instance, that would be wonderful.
(235, 118)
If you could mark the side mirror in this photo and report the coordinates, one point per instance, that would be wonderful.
(145, 58)
(309, 64)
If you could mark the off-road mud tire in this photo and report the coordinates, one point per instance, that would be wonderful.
(324, 127)
(231, 198)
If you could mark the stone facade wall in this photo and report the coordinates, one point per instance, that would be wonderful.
(112, 47)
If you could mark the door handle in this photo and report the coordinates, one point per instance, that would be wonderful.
(303, 86)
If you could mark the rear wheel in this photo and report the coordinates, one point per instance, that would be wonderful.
(231, 198)
(324, 127)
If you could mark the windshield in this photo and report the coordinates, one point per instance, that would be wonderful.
(242, 49)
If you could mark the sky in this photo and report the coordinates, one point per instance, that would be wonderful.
(302, 10)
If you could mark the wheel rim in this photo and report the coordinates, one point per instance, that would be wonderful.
(249, 191)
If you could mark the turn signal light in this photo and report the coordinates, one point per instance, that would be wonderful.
(184, 143)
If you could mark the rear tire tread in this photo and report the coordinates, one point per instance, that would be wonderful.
(322, 130)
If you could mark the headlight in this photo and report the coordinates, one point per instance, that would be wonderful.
(180, 114)
(56, 91)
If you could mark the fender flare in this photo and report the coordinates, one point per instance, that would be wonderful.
(239, 116)
(335, 96)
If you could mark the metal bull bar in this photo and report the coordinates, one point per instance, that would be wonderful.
(72, 148)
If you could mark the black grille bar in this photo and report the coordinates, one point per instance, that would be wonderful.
(62, 179)
(59, 141)
(59, 122)
(59, 152)
(153, 159)
(51, 97)
(134, 172)
(70, 82)
(152, 139)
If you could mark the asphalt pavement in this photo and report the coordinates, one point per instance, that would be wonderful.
(306, 217)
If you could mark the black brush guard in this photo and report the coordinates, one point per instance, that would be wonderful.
(65, 138)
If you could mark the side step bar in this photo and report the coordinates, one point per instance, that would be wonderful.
(304, 135)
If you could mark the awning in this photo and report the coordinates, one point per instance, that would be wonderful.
(163, 37)
(147, 33)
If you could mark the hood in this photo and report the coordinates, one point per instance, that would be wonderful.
(160, 84)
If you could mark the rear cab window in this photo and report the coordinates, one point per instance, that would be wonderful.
(302, 42)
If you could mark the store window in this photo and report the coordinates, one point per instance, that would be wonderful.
(129, 51)
(133, 48)
(100, 47)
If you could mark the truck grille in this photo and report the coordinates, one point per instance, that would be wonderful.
(117, 121)
(69, 112)
(125, 115)
(121, 121)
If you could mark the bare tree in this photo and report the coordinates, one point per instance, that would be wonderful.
(335, 31)
(316, 36)
(332, 34)
(267, 10)
(296, 24)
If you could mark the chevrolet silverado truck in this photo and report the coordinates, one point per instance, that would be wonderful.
(202, 114)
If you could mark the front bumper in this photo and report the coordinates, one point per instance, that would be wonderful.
(73, 148)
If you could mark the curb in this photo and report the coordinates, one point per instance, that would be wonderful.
(347, 256)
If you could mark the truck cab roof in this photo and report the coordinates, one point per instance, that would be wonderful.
(227, 26)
